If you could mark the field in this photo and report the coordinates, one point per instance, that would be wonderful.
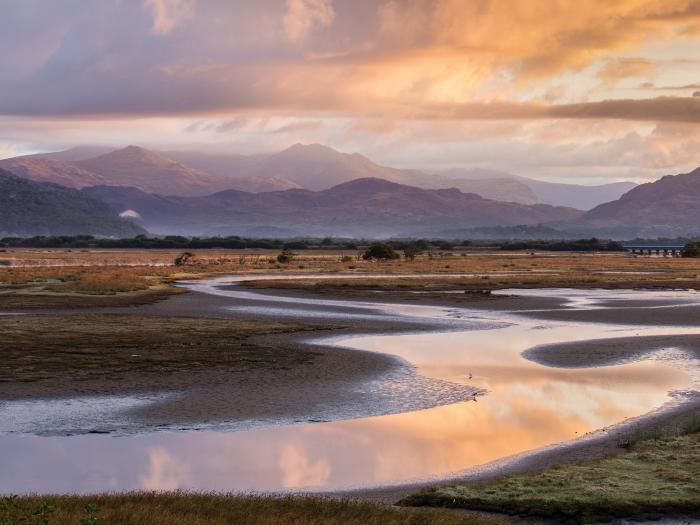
(63, 278)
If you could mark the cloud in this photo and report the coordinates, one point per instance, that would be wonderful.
(302, 15)
(130, 214)
(649, 85)
(167, 14)
(671, 109)
(381, 55)
(618, 69)
(301, 125)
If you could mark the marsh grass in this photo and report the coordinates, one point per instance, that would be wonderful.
(655, 478)
(59, 278)
(182, 508)
(84, 347)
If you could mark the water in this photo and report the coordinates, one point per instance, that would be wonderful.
(527, 406)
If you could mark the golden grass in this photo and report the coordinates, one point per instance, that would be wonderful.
(210, 509)
(125, 276)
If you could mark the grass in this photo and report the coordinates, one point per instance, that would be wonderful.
(65, 278)
(85, 347)
(210, 509)
(655, 478)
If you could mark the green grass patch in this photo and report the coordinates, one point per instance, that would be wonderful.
(654, 478)
(206, 509)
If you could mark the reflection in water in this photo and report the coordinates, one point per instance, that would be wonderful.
(527, 406)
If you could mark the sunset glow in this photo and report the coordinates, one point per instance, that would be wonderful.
(569, 90)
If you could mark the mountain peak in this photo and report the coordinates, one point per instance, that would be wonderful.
(310, 150)
(137, 153)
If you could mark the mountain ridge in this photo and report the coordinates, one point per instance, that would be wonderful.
(36, 208)
(369, 207)
(311, 166)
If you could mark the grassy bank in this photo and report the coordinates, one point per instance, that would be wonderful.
(113, 347)
(655, 478)
(203, 509)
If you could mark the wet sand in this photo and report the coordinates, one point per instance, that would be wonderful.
(338, 371)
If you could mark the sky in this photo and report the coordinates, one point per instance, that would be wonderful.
(574, 90)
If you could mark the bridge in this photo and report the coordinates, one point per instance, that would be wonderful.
(651, 248)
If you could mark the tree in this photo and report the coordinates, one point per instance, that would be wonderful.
(285, 256)
(380, 251)
(412, 250)
(692, 249)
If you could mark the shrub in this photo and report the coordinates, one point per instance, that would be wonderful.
(285, 256)
(380, 251)
(182, 259)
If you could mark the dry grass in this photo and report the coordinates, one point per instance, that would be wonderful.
(56, 278)
(210, 509)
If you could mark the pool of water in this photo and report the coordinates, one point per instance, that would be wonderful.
(526, 406)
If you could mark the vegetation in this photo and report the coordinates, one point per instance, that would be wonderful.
(37, 348)
(415, 248)
(52, 278)
(653, 479)
(581, 245)
(181, 260)
(692, 249)
(238, 243)
(212, 509)
(285, 256)
(380, 251)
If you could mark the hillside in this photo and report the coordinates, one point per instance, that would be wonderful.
(50, 170)
(31, 208)
(151, 172)
(367, 207)
(669, 207)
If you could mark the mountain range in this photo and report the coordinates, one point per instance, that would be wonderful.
(313, 167)
(368, 207)
(315, 190)
(36, 208)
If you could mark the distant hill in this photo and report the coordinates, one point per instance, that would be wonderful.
(368, 207)
(72, 154)
(151, 172)
(500, 184)
(669, 207)
(51, 170)
(577, 195)
(32, 208)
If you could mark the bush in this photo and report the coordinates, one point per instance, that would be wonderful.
(182, 259)
(285, 256)
(380, 251)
